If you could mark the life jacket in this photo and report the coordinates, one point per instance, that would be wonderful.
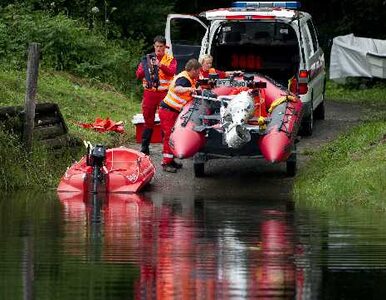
(177, 101)
(205, 74)
(260, 113)
(260, 107)
(155, 78)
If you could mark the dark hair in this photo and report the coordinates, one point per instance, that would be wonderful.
(160, 39)
(192, 64)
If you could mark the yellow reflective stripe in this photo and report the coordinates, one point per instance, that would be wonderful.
(178, 98)
(169, 101)
(179, 102)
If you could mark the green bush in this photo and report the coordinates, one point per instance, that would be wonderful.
(67, 45)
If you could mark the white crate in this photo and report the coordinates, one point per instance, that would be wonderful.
(138, 119)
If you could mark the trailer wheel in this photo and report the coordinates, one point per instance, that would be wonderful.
(291, 165)
(199, 169)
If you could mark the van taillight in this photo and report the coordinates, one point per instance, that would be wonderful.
(302, 88)
(303, 74)
(303, 82)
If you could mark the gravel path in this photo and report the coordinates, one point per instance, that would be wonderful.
(246, 176)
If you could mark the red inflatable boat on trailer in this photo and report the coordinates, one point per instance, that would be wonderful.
(116, 170)
(239, 117)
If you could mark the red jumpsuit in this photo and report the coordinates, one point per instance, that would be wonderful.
(151, 97)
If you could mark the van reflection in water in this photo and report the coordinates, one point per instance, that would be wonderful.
(180, 254)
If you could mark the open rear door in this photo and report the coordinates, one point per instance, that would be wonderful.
(184, 35)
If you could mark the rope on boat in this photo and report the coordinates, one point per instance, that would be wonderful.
(285, 124)
(188, 115)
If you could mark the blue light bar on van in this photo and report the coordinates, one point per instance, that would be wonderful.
(258, 4)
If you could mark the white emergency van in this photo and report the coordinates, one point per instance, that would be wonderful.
(275, 39)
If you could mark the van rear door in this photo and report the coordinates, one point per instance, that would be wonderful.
(184, 35)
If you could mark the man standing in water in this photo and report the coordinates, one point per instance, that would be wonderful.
(156, 71)
(179, 94)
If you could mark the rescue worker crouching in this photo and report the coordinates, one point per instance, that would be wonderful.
(180, 93)
(207, 69)
(156, 71)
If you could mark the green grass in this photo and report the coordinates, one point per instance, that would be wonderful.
(79, 100)
(354, 92)
(350, 171)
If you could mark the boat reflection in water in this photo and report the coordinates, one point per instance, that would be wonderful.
(183, 248)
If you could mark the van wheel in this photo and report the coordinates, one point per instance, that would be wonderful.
(291, 165)
(199, 169)
(320, 111)
(308, 123)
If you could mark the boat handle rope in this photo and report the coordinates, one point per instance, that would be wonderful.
(284, 126)
(280, 100)
(187, 116)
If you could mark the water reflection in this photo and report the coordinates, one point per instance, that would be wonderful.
(186, 246)
(180, 253)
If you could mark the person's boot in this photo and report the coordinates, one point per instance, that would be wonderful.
(146, 137)
(169, 168)
(175, 164)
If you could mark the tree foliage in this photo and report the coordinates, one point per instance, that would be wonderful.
(66, 44)
(104, 39)
(146, 18)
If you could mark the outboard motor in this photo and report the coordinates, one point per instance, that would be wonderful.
(98, 155)
(97, 159)
(236, 136)
(236, 114)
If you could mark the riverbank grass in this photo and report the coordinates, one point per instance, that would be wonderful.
(79, 100)
(350, 171)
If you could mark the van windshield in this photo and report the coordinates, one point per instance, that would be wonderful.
(267, 47)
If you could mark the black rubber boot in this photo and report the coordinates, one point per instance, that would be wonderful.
(175, 164)
(169, 168)
(146, 137)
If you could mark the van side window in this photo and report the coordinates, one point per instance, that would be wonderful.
(313, 34)
(307, 42)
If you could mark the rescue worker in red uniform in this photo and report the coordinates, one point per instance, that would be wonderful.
(180, 93)
(207, 61)
(156, 71)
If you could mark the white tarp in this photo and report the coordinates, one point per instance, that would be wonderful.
(353, 56)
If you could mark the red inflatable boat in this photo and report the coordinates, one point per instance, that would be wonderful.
(116, 170)
(250, 116)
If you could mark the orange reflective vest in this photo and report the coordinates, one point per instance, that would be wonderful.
(210, 71)
(164, 80)
(177, 101)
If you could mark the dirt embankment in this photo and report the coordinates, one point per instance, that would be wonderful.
(246, 176)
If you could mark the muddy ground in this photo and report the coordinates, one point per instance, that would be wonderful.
(246, 176)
